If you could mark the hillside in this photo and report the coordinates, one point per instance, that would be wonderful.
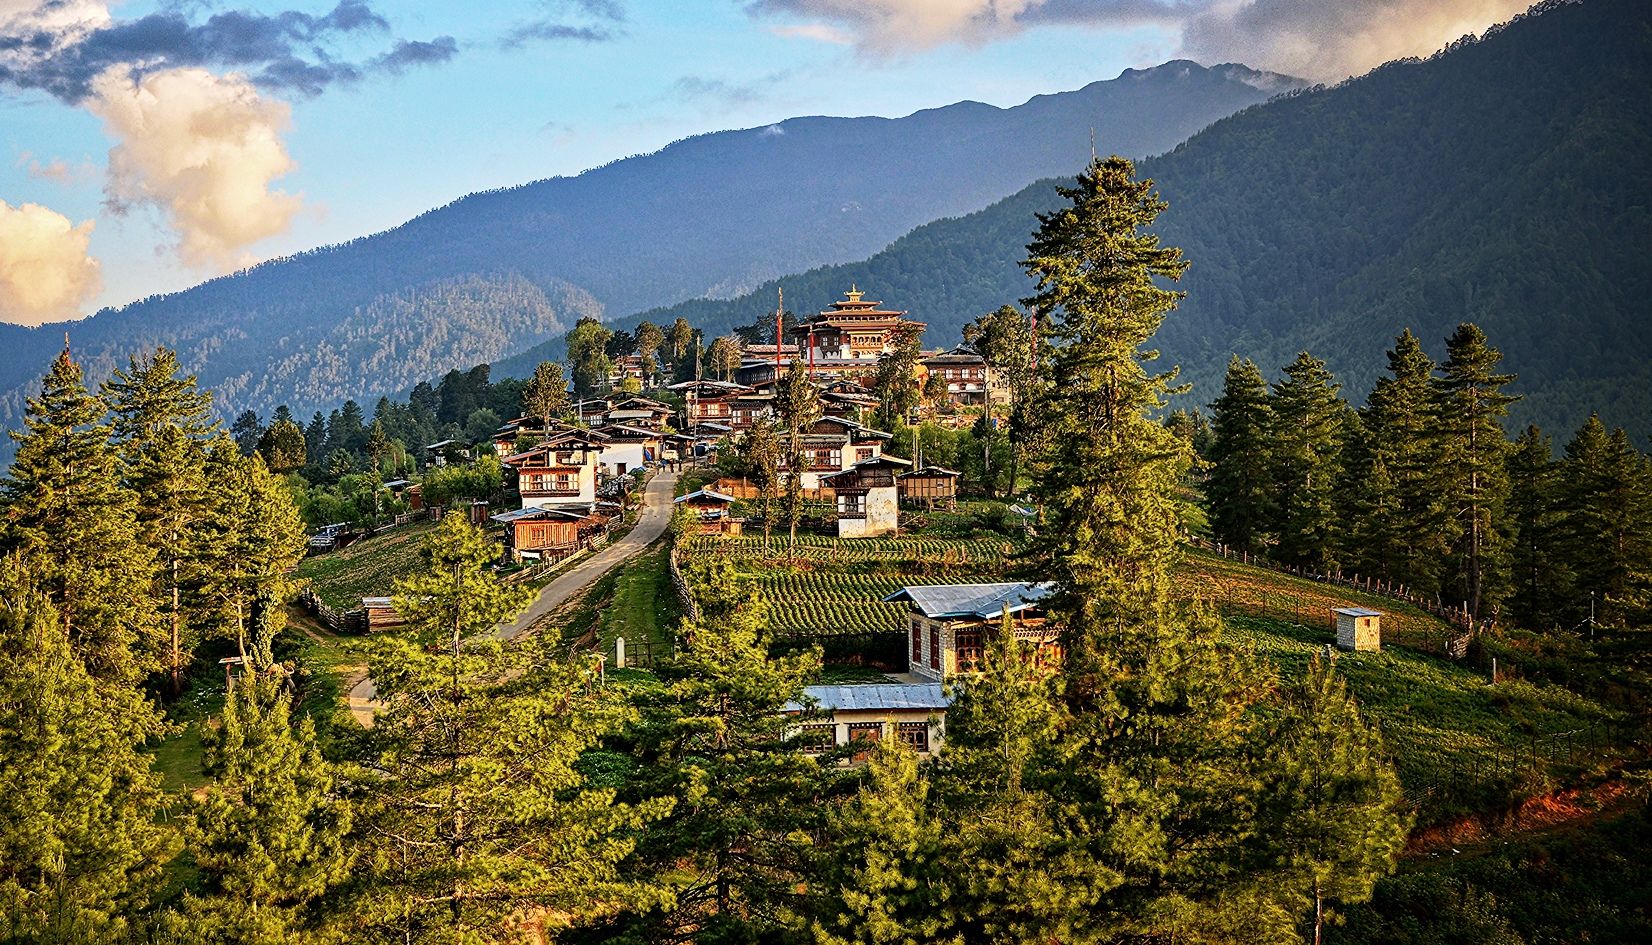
(1505, 181)
(496, 272)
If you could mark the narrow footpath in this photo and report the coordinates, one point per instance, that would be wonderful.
(651, 524)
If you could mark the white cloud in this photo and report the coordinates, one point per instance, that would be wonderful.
(897, 25)
(204, 149)
(46, 273)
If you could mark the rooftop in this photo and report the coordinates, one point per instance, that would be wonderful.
(704, 494)
(972, 600)
(875, 696)
(1357, 612)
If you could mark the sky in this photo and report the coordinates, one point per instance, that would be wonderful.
(146, 146)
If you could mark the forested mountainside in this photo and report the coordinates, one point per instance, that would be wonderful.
(1505, 181)
(714, 214)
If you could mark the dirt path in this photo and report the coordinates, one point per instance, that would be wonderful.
(651, 524)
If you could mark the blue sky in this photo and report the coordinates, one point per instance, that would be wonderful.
(369, 152)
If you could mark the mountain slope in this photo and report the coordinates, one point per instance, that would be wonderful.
(1505, 181)
(714, 214)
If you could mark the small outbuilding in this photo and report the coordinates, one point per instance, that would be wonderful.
(381, 613)
(863, 713)
(1359, 629)
(931, 487)
(711, 509)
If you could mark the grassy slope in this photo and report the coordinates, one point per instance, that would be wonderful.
(642, 606)
(367, 568)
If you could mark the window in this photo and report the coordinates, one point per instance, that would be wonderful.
(862, 454)
(934, 648)
(915, 735)
(917, 646)
(817, 738)
(969, 649)
(866, 732)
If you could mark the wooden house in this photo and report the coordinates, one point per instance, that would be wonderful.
(969, 382)
(864, 713)
(708, 401)
(948, 624)
(626, 448)
(867, 501)
(834, 444)
(559, 472)
(535, 534)
(445, 451)
(930, 487)
(1359, 628)
(639, 412)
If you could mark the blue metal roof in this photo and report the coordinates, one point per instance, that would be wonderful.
(972, 600)
(875, 696)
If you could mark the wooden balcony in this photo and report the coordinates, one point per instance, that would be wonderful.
(531, 493)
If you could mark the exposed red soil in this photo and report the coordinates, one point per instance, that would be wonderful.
(1562, 809)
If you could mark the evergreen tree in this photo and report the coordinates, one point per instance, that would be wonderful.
(246, 431)
(1473, 468)
(1606, 525)
(252, 542)
(1400, 523)
(1239, 488)
(315, 438)
(546, 395)
(650, 339)
(161, 422)
(268, 835)
(682, 336)
(69, 516)
(1540, 575)
(797, 407)
(1336, 798)
(896, 382)
(1005, 875)
(1308, 426)
(735, 853)
(475, 819)
(1008, 340)
(283, 447)
(1156, 761)
(725, 356)
(82, 844)
(881, 869)
(588, 358)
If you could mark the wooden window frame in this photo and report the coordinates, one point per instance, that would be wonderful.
(914, 735)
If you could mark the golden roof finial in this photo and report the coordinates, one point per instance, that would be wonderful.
(854, 293)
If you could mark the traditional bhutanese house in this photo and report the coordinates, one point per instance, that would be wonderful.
(625, 367)
(969, 382)
(711, 508)
(543, 534)
(707, 401)
(834, 444)
(627, 447)
(414, 495)
(381, 613)
(930, 487)
(853, 329)
(846, 399)
(561, 471)
(639, 412)
(867, 503)
(862, 714)
(948, 623)
(512, 433)
(744, 410)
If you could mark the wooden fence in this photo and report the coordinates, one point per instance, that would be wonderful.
(338, 621)
(685, 594)
(1450, 640)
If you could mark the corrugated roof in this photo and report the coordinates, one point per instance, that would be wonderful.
(1358, 612)
(505, 518)
(972, 600)
(875, 696)
(708, 493)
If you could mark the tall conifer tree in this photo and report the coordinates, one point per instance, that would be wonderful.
(1308, 429)
(1473, 468)
(1239, 488)
(1540, 575)
(1606, 526)
(69, 515)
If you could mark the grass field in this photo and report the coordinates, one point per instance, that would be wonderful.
(367, 568)
(641, 607)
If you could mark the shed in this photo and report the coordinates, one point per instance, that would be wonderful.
(867, 712)
(1359, 628)
(931, 486)
(381, 613)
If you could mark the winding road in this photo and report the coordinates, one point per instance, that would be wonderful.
(651, 524)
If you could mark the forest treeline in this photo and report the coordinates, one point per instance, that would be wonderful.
(1420, 487)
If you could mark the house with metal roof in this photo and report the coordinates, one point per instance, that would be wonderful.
(867, 712)
(948, 624)
(867, 499)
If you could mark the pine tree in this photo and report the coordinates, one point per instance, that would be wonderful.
(1004, 873)
(725, 356)
(896, 382)
(735, 853)
(161, 423)
(1400, 521)
(283, 447)
(69, 516)
(246, 431)
(82, 844)
(797, 407)
(475, 818)
(1307, 435)
(1473, 468)
(268, 833)
(1606, 525)
(1540, 575)
(252, 542)
(682, 336)
(650, 339)
(1239, 488)
(1336, 798)
(1156, 746)
(1008, 340)
(881, 868)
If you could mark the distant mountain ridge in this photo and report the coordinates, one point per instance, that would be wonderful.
(713, 214)
(1506, 181)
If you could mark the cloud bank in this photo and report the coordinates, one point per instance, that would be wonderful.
(204, 149)
(1325, 40)
(46, 273)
